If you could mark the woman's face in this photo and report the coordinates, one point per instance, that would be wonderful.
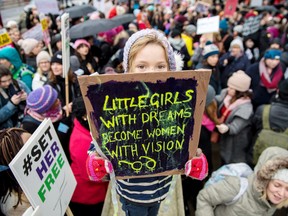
(272, 63)
(213, 60)
(231, 92)
(249, 43)
(235, 51)
(150, 59)
(57, 69)
(83, 50)
(277, 191)
(44, 65)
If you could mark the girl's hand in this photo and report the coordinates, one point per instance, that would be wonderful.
(197, 167)
(97, 167)
(222, 128)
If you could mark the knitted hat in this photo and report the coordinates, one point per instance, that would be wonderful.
(57, 57)
(43, 56)
(238, 28)
(143, 33)
(209, 50)
(272, 54)
(237, 42)
(190, 29)
(239, 81)
(79, 42)
(75, 65)
(42, 99)
(282, 175)
(28, 44)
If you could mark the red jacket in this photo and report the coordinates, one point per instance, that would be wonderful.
(86, 192)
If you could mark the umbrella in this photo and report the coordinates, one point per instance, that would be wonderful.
(124, 18)
(79, 10)
(270, 8)
(91, 27)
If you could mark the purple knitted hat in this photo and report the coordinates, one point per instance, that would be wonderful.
(143, 33)
(42, 99)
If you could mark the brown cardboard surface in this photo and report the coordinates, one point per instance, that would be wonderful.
(87, 84)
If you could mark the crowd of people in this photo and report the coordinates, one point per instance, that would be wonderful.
(248, 72)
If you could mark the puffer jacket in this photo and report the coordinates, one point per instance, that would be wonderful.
(211, 199)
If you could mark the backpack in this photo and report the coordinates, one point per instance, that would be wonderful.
(241, 170)
(267, 137)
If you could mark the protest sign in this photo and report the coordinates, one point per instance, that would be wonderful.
(65, 37)
(251, 25)
(208, 25)
(35, 32)
(202, 7)
(256, 3)
(230, 7)
(5, 39)
(43, 171)
(146, 124)
(45, 31)
(46, 7)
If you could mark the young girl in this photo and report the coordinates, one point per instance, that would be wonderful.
(236, 110)
(12, 199)
(267, 189)
(142, 196)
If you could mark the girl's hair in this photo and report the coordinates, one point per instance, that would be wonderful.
(246, 94)
(4, 71)
(141, 43)
(10, 144)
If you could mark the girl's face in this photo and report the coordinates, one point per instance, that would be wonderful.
(213, 60)
(231, 92)
(57, 69)
(235, 51)
(249, 43)
(83, 50)
(150, 59)
(44, 65)
(277, 191)
(272, 63)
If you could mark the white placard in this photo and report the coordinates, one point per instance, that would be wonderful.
(251, 25)
(100, 5)
(43, 171)
(208, 25)
(44, 6)
(256, 3)
(65, 37)
(35, 32)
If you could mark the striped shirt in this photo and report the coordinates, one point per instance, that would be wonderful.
(147, 191)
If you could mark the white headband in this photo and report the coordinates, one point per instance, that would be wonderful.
(281, 174)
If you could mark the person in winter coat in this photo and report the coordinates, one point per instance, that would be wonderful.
(235, 111)
(91, 202)
(9, 57)
(267, 189)
(43, 60)
(210, 60)
(13, 94)
(265, 76)
(278, 118)
(232, 61)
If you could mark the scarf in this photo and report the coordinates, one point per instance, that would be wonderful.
(54, 114)
(230, 106)
(270, 84)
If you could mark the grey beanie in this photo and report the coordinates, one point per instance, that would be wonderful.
(190, 29)
(143, 33)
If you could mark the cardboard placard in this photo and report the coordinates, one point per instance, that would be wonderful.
(46, 7)
(208, 25)
(202, 7)
(35, 32)
(43, 171)
(146, 124)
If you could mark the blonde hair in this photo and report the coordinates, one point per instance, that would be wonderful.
(141, 43)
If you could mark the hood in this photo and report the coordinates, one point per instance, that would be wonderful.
(11, 54)
(270, 161)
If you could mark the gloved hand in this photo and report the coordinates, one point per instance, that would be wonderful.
(197, 167)
(222, 128)
(97, 167)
